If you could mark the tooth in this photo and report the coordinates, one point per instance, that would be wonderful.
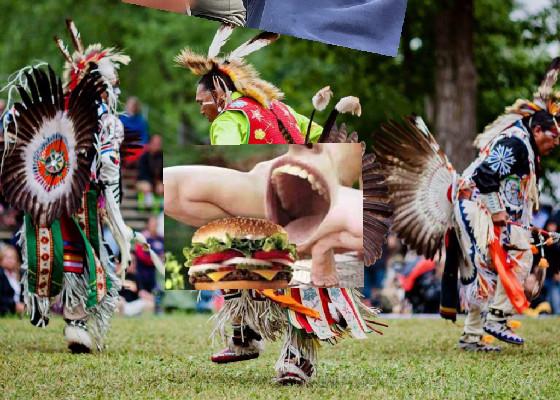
(302, 174)
(319, 187)
(294, 170)
(279, 170)
(311, 179)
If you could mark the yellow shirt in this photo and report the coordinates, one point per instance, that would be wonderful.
(232, 127)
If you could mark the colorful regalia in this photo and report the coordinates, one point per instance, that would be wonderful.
(433, 205)
(61, 167)
(301, 317)
(253, 113)
(305, 317)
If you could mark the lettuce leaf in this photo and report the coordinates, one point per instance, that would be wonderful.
(278, 241)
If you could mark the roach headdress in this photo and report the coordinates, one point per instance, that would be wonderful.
(244, 76)
(106, 61)
(544, 99)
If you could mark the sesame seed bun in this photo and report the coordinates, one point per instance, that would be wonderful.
(237, 228)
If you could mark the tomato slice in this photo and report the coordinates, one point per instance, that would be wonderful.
(269, 255)
(217, 257)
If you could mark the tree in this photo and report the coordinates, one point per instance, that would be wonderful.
(455, 72)
(509, 58)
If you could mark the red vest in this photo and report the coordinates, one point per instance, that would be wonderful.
(263, 122)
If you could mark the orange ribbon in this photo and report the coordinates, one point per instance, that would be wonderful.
(290, 302)
(503, 266)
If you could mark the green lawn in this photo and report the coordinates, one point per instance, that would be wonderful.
(167, 357)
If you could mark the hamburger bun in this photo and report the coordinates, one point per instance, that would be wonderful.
(237, 228)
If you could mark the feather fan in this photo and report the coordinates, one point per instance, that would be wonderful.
(377, 208)
(419, 176)
(48, 167)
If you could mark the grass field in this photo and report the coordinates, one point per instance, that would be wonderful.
(167, 357)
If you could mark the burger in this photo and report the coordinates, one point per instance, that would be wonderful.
(240, 253)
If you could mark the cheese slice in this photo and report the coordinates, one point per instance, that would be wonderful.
(266, 273)
(217, 276)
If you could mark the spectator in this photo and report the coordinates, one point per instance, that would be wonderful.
(134, 121)
(133, 300)
(11, 300)
(9, 217)
(146, 271)
(150, 176)
(552, 280)
(423, 287)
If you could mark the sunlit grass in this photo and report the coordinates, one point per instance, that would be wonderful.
(168, 357)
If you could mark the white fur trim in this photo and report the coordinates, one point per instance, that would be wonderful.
(290, 368)
(255, 346)
(74, 334)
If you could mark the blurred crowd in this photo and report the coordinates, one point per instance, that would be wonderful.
(402, 282)
(142, 201)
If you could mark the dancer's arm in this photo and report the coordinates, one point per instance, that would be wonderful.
(179, 6)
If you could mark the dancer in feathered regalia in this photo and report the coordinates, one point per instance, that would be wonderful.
(486, 212)
(304, 317)
(61, 166)
(242, 107)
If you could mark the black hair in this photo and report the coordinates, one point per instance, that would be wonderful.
(541, 118)
(207, 81)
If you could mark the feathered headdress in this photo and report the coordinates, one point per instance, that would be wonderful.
(246, 79)
(544, 99)
(78, 64)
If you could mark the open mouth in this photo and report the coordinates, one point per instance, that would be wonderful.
(298, 198)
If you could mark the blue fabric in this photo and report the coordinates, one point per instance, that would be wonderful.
(137, 124)
(367, 25)
(254, 9)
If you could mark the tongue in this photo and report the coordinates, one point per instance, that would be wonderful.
(301, 229)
